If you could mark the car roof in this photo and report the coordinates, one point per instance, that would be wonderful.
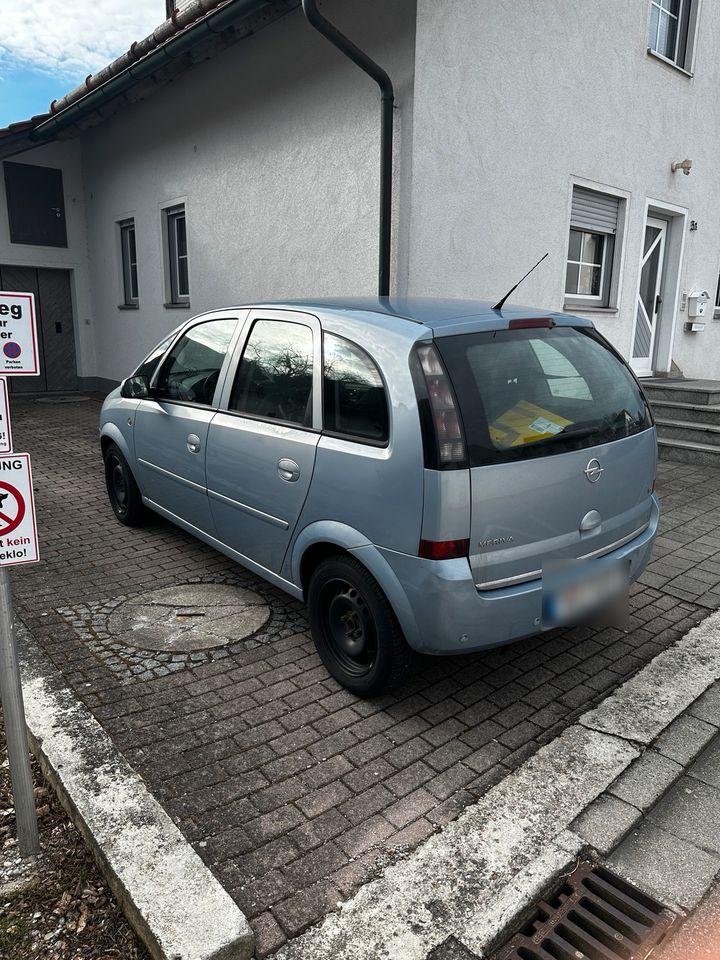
(444, 316)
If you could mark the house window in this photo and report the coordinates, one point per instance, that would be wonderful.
(179, 282)
(670, 30)
(591, 255)
(129, 263)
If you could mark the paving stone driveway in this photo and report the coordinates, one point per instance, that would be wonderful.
(291, 789)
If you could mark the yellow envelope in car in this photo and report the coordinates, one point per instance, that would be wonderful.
(525, 423)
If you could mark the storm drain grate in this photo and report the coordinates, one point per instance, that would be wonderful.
(596, 915)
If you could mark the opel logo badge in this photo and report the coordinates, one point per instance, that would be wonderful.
(593, 471)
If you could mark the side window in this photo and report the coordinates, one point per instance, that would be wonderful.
(274, 379)
(354, 400)
(193, 366)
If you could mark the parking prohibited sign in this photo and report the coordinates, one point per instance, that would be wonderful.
(18, 335)
(18, 530)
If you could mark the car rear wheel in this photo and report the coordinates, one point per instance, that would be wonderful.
(124, 494)
(354, 628)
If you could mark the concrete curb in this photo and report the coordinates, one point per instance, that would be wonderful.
(473, 881)
(174, 903)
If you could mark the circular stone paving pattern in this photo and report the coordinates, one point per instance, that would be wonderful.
(189, 617)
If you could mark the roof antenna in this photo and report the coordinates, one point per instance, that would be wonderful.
(499, 304)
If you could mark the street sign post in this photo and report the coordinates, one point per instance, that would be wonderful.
(18, 544)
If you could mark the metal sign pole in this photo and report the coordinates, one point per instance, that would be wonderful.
(16, 734)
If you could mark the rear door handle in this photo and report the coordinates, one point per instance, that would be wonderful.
(193, 443)
(288, 469)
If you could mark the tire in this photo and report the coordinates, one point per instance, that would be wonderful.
(354, 628)
(123, 491)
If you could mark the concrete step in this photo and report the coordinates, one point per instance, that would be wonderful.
(687, 391)
(702, 433)
(686, 412)
(686, 451)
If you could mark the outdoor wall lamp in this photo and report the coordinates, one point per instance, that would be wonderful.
(684, 165)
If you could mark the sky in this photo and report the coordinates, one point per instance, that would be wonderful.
(48, 49)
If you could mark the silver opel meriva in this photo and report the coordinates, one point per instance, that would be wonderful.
(436, 475)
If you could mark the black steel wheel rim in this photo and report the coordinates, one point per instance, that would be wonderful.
(118, 486)
(348, 627)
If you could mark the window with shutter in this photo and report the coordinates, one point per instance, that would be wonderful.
(591, 247)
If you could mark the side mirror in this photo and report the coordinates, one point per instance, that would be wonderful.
(135, 388)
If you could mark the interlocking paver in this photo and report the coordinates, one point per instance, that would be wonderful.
(292, 789)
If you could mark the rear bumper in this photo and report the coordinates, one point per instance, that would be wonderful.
(452, 616)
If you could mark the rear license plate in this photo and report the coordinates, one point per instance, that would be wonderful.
(578, 590)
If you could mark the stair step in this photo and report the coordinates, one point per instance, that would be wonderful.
(686, 451)
(687, 430)
(690, 391)
(686, 412)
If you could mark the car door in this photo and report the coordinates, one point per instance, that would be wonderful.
(262, 441)
(171, 427)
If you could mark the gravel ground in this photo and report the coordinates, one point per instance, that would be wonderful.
(56, 907)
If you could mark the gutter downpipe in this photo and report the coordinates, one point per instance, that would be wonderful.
(373, 70)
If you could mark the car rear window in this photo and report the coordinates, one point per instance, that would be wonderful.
(540, 391)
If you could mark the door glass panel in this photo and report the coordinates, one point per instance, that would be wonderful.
(648, 281)
(274, 379)
(192, 369)
(651, 235)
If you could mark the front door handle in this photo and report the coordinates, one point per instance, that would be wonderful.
(193, 443)
(658, 303)
(288, 470)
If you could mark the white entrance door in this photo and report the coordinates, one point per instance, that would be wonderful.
(649, 301)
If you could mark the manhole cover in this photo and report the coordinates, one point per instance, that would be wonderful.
(189, 617)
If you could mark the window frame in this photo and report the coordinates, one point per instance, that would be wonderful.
(685, 34)
(172, 214)
(716, 305)
(609, 301)
(131, 299)
(602, 298)
(351, 437)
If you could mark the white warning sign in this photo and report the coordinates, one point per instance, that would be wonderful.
(18, 530)
(18, 334)
(5, 432)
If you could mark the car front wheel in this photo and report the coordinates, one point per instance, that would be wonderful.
(123, 491)
(354, 628)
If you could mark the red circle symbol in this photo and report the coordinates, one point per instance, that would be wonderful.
(12, 350)
(10, 519)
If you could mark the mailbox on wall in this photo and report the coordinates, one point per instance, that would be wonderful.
(698, 303)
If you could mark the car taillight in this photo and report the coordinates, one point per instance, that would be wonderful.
(446, 448)
(443, 549)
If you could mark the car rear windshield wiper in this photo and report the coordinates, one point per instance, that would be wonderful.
(571, 432)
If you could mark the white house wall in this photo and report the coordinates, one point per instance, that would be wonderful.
(65, 156)
(273, 146)
(515, 99)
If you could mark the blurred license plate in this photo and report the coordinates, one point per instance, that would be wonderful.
(578, 590)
